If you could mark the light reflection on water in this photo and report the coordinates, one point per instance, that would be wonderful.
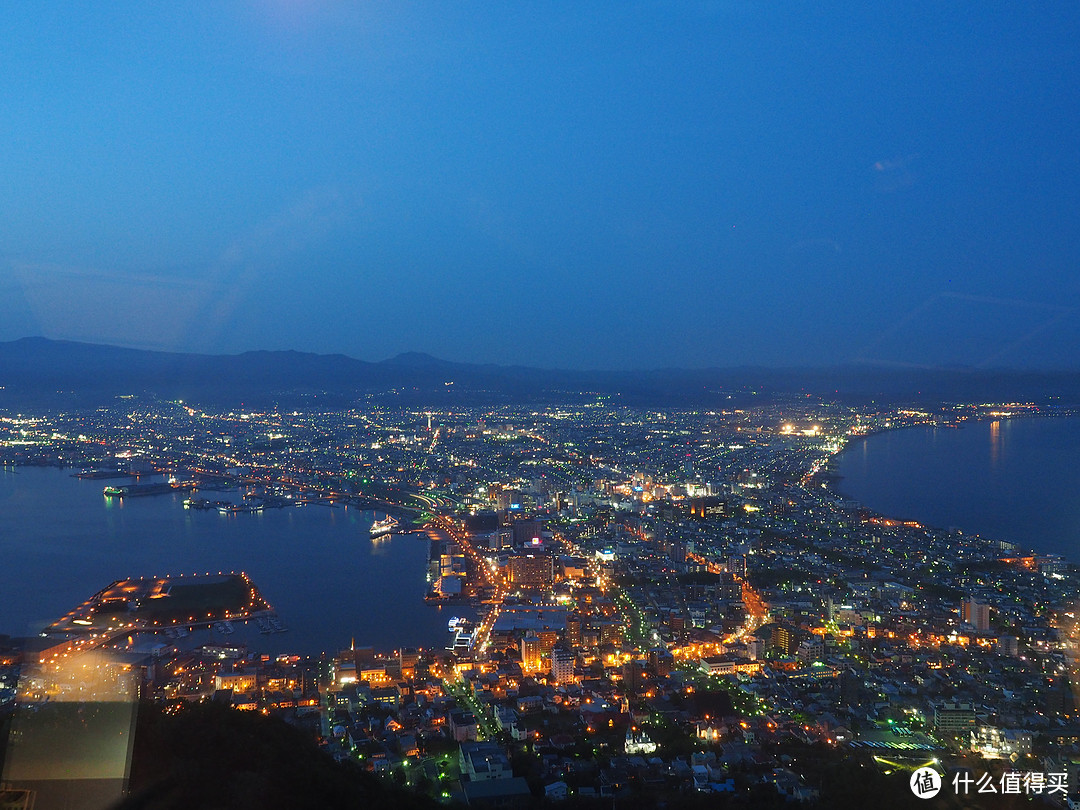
(61, 541)
(1013, 479)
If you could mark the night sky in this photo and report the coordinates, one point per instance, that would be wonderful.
(576, 185)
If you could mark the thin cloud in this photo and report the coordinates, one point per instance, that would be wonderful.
(171, 311)
(895, 173)
(245, 264)
(105, 306)
(1037, 318)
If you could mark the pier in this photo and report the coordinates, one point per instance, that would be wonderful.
(167, 605)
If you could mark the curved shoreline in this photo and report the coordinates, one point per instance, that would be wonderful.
(833, 478)
(322, 613)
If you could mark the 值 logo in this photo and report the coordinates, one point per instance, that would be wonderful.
(925, 783)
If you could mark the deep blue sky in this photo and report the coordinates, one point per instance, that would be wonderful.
(573, 185)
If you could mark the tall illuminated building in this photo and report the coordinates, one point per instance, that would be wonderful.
(976, 613)
(574, 627)
(531, 653)
(562, 665)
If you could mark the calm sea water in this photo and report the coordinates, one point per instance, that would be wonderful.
(1012, 479)
(61, 541)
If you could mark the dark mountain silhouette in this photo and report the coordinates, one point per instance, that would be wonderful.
(37, 369)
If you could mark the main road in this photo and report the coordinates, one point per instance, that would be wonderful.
(492, 579)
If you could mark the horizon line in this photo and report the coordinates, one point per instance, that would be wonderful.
(868, 364)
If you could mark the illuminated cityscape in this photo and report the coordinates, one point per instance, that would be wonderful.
(668, 602)
(610, 406)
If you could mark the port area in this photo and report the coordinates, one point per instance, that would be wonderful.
(134, 490)
(103, 475)
(225, 507)
(162, 605)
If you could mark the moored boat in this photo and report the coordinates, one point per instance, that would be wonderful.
(384, 526)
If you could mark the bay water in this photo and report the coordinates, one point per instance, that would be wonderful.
(1014, 479)
(61, 541)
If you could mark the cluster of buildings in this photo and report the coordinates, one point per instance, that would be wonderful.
(670, 601)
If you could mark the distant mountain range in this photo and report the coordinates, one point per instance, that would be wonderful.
(39, 370)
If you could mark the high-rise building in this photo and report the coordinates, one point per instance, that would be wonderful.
(574, 626)
(707, 506)
(562, 665)
(527, 531)
(408, 659)
(548, 639)
(531, 653)
(633, 675)
(955, 720)
(731, 589)
(661, 662)
(536, 570)
(976, 613)
(610, 631)
(679, 549)
(785, 639)
(1008, 645)
(481, 523)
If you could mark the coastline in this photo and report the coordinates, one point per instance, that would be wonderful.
(351, 597)
(838, 483)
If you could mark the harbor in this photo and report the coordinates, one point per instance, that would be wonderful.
(326, 578)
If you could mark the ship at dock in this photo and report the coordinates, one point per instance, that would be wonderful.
(383, 527)
(463, 633)
(132, 490)
(99, 474)
(224, 507)
(235, 508)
